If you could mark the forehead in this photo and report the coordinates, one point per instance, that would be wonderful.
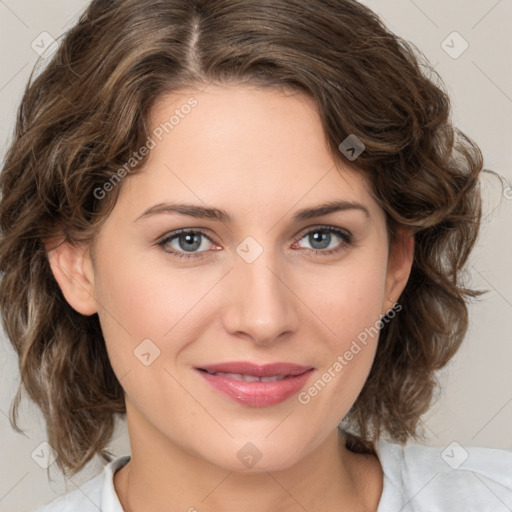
(241, 147)
(241, 125)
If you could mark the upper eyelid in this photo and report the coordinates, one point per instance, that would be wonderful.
(173, 235)
(183, 231)
(321, 227)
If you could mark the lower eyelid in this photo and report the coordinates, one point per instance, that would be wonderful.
(345, 237)
(176, 236)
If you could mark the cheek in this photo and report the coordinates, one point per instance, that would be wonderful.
(141, 301)
(350, 298)
(350, 306)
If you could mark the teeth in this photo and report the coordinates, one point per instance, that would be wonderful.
(239, 376)
(272, 379)
(249, 378)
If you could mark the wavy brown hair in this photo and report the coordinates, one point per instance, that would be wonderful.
(82, 117)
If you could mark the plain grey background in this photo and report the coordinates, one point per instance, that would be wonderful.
(475, 407)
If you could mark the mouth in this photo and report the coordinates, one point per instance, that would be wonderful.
(256, 385)
(246, 377)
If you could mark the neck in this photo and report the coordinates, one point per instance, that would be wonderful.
(172, 479)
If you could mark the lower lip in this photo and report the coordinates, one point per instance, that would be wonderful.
(257, 394)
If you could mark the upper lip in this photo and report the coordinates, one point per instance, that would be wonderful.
(264, 370)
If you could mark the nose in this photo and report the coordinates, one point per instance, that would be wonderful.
(261, 305)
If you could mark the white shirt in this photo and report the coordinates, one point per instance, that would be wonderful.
(416, 479)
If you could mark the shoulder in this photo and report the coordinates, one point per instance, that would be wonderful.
(85, 498)
(455, 477)
(96, 494)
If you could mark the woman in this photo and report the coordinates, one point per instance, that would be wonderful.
(242, 224)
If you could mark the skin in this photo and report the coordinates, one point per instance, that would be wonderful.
(261, 155)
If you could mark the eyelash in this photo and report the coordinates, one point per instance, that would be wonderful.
(345, 236)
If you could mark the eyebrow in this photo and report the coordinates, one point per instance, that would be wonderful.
(202, 212)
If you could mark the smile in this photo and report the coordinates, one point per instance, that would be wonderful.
(250, 378)
(256, 385)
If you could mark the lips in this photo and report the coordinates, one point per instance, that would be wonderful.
(256, 385)
(249, 378)
(266, 370)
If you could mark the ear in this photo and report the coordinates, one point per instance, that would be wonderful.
(73, 270)
(401, 257)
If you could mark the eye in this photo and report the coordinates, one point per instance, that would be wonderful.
(186, 243)
(326, 239)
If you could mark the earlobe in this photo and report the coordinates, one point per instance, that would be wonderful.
(72, 268)
(399, 266)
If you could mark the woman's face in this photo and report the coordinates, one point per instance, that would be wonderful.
(270, 280)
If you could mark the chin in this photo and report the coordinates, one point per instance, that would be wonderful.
(243, 456)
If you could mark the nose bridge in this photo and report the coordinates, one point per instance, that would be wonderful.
(261, 306)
